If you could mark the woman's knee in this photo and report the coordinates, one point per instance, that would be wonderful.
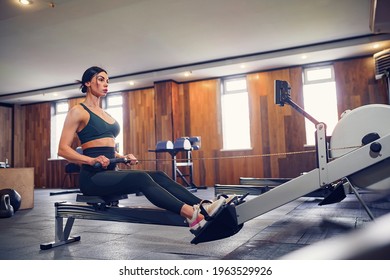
(156, 174)
(143, 177)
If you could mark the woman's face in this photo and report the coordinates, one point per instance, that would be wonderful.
(98, 85)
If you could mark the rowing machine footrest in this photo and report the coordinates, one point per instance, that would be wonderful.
(223, 224)
(109, 200)
(336, 196)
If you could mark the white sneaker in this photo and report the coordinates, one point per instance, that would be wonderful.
(228, 198)
(207, 209)
(197, 221)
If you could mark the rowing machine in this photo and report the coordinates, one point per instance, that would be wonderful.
(365, 165)
(105, 208)
(344, 167)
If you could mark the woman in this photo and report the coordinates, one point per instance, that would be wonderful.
(97, 131)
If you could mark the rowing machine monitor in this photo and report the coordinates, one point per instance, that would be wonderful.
(282, 92)
(282, 95)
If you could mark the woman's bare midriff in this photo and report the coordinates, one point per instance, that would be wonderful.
(103, 142)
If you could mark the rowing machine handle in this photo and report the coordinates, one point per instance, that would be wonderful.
(112, 160)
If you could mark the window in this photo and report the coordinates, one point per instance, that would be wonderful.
(114, 107)
(59, 111)
(235, 115)
(320, 99)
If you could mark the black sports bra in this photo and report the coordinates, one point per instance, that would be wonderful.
(97, 128)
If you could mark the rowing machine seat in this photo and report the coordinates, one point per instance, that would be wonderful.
(109, 200)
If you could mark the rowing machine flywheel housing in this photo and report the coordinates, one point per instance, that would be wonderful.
(362, 126)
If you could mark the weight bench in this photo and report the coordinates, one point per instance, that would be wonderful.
(184, 145)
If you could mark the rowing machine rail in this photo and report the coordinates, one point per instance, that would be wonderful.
(98, 209)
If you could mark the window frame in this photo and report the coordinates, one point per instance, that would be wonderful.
(306, 80)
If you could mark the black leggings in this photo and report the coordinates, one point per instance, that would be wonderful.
(157, 186)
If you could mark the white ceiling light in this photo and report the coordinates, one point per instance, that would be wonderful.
(25, 2)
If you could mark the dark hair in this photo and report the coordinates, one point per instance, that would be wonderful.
(88, 75)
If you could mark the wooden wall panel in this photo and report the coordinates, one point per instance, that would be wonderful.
(356, 84)
(201, 101)
(19, 131)
(56, 169)
(37, 142)
(139, 127)
(163, 107)
(164, 120)
(6, 134)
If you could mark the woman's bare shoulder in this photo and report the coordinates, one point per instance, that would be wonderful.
(77, 111)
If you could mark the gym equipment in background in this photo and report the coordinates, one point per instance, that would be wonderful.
(10, 201)
(14, 196)
(6, 209)
(184, 145)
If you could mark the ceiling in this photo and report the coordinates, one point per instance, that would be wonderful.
(45, 49)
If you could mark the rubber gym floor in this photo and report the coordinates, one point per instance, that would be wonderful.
(271, 236)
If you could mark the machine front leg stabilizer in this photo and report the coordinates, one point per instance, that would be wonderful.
(223, 224)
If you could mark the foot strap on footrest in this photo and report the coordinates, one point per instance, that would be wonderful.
(223, 224)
